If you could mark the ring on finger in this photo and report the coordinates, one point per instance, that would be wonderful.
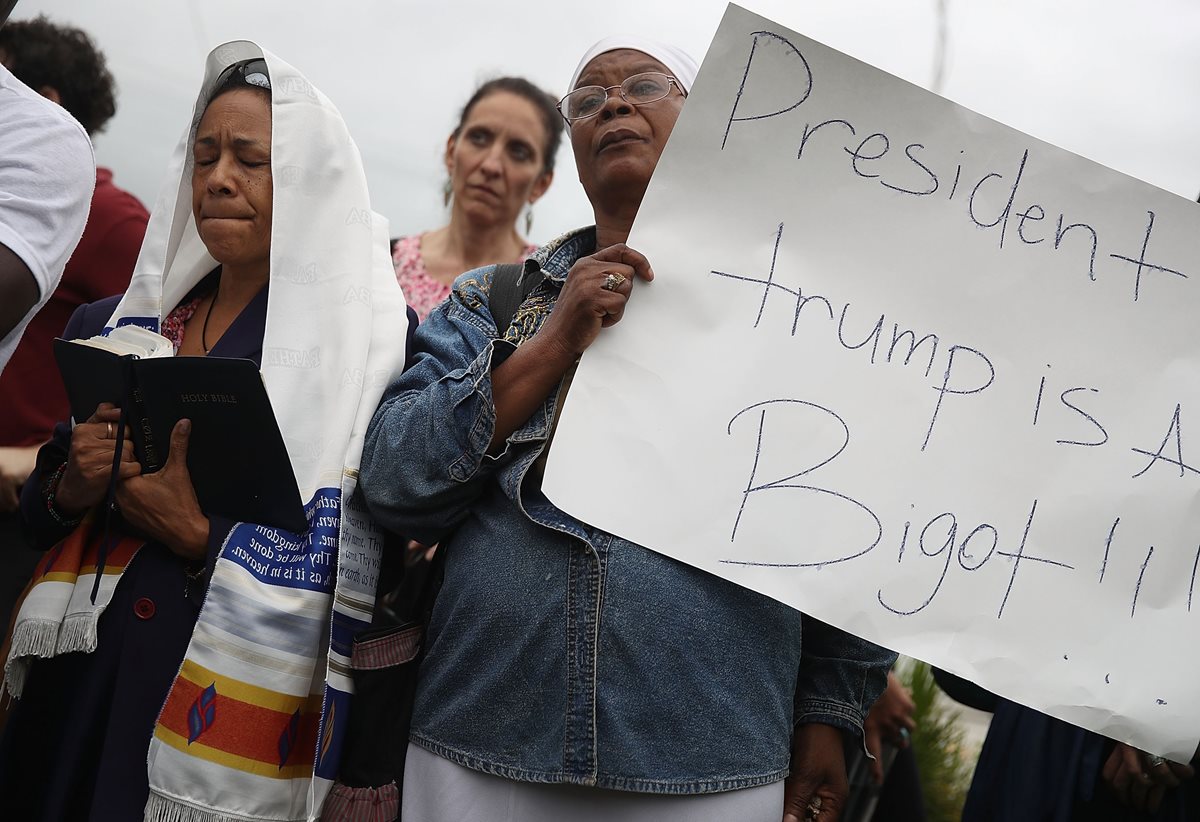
(1153, 761)
(110, 435)
(612, 281)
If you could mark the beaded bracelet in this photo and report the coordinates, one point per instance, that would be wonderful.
(50, 491)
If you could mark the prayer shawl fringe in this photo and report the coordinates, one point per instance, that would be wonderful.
(163, 809)
(57, 615)
(78, 633)
(35, 638)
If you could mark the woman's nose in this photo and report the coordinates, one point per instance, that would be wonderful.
(615, 104)
(493, 163)
(221, 179)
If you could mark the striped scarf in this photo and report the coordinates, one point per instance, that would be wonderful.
(58, 614)
(258, 710)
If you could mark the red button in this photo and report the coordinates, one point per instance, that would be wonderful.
(144, 608)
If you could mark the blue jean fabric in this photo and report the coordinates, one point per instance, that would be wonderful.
(558, 652)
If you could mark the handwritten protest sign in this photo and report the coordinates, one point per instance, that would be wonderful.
(915, 373)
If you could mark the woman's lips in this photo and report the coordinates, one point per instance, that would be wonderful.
(485, 191)
(618, 137)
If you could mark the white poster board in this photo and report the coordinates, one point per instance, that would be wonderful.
(917, 374)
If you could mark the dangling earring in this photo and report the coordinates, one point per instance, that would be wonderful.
(447, 192)
(528, 219)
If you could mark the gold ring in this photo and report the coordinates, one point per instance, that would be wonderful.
(613, 281)
(111, 436)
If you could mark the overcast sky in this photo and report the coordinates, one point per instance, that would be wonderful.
(1115, 81)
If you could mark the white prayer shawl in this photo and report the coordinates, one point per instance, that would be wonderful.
(335, 332)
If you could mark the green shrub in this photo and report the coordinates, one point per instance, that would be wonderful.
(939, 744)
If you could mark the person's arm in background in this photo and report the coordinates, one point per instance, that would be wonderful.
(47, 174)
(19, 293)
(890, 720)
(18, 290)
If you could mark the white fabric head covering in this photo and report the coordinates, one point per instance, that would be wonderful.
(678, 61)
(326, 246)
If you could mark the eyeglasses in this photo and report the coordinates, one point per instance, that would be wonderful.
(647, 87)
(254, 72)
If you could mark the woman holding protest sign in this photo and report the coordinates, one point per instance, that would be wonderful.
(173, 663)
(641, 688)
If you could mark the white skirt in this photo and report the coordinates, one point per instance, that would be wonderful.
(438, 790)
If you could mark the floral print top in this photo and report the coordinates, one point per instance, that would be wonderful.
(172, 326)
(422, 291)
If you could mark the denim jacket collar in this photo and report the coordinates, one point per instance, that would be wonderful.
(556, 257)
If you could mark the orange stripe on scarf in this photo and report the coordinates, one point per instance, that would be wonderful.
(78, 552)
(243, 730)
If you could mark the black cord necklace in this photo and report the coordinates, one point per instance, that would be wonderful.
(204, 330)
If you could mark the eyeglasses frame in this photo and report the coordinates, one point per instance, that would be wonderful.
(671, 81)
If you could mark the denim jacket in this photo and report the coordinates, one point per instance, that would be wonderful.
(561, 653)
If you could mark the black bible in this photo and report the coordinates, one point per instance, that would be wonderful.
(236, 455)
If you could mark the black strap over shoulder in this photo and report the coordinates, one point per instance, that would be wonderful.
(510, 287)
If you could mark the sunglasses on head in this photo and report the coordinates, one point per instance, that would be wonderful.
(251, 72)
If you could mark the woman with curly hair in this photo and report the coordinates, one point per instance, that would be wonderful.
(63, 64)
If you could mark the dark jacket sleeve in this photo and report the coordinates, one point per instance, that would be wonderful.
(42, 529)
(840, 677)
(965, 691)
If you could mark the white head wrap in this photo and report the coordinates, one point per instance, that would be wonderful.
(681, 65)
(326, 245)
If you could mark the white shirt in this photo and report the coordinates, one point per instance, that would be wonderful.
(47, 173)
